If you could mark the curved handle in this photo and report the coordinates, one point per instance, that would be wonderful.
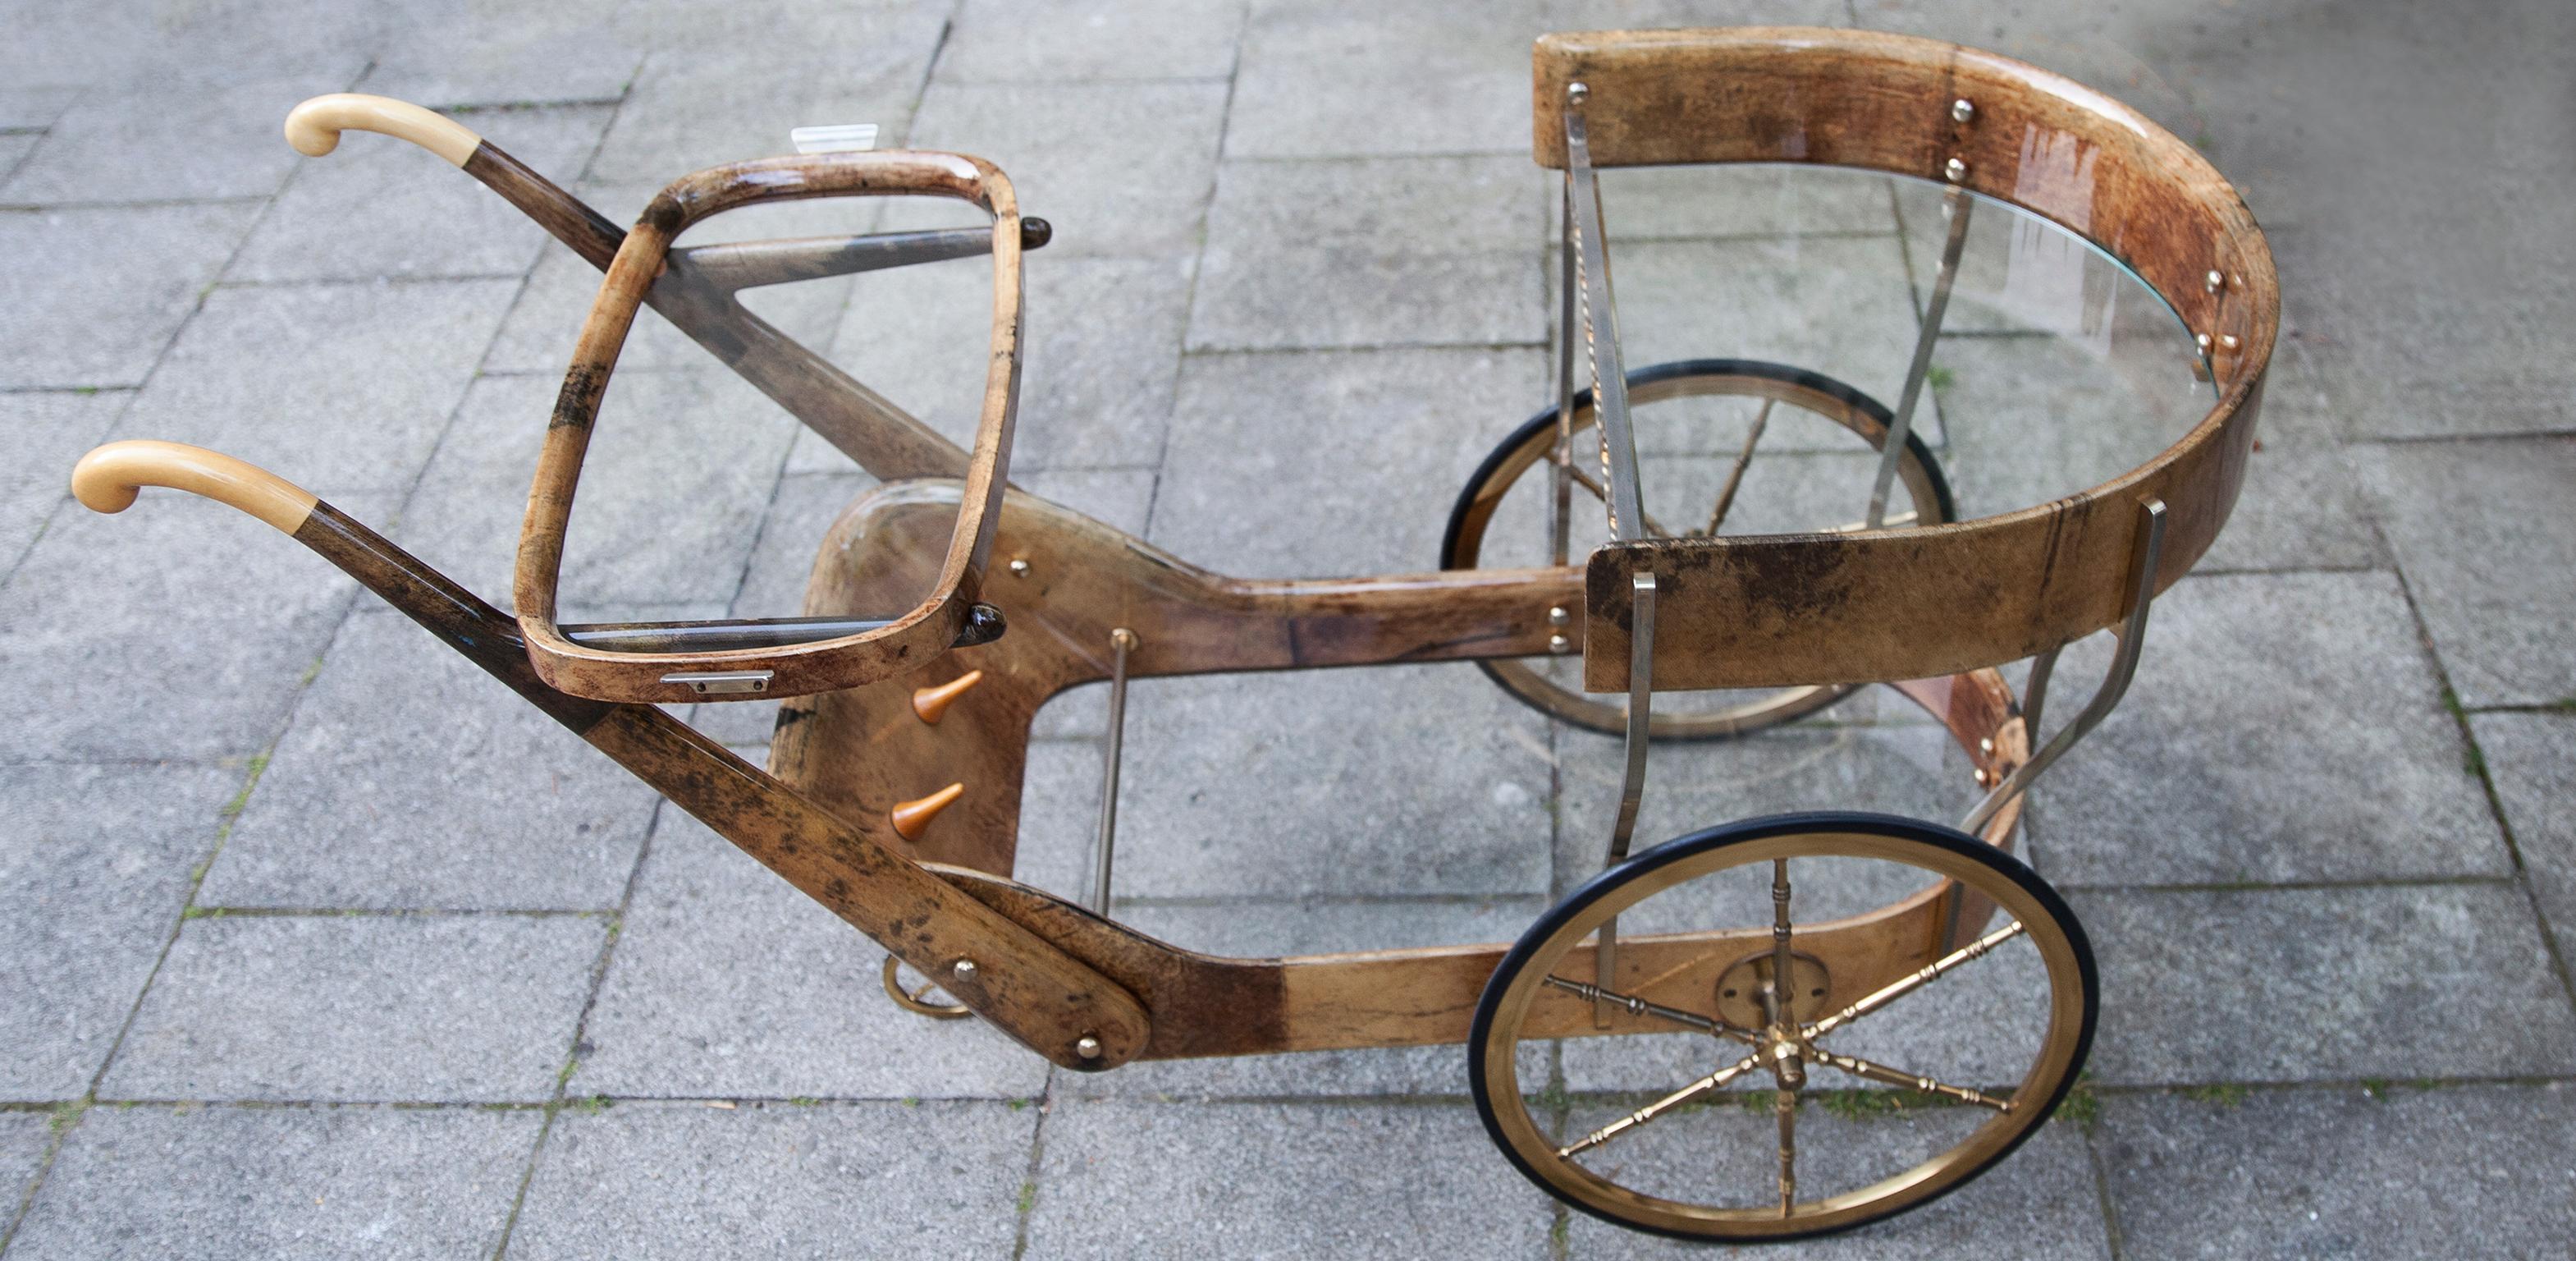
(314, 127)
(107, 478)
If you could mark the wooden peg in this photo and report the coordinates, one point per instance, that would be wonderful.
(930, 702)
(911, 817)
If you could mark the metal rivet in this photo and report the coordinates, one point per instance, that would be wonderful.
(1981, 777)
(2201, 340)
(2228, 340)
(2214, 281)
(964, 969)
(1956, 169)
(1576, 94)
(1963, 110)
(1985, 746)
(1020, 567)
(1087, 1047)
(1557, 616)
(1559, 644)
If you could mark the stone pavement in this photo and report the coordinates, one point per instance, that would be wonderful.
(316, 944)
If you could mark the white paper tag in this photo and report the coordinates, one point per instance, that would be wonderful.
(836, 138)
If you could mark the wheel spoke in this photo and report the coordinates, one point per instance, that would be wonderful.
(1589, 483)
(1661, 1106)
(1858, 1067)
(1931, 972)
(1735, 475)
(1784, 1010)
(1636, 1006)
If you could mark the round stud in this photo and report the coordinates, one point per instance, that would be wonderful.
(1557, 616)
(1963, 110)
(2228, 341)
(1020, 567)
(1956, 169)
(1087, 1047)
(1577, 93)
(1559, 645)
(2201, 340)
(2214, 281)
(964, 969)
(1985, 745)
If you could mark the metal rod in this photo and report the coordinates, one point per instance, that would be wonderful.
(1601, 330)
(2143, 560)
(2035, 694)
(1104, 850)
(1560, 519)
(1957, 203)
(1632, 783)
(1743, 461)
(751, 264)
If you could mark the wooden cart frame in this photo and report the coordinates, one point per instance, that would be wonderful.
(888, 701)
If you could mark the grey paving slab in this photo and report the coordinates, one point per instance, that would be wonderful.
(34, 106)
(1834, 305)
(1103, 344)
(2301, 506)
(48, 432)
(1140, 1180)
(1370, 251)
(869, 1179)
(410, 780)
(1352, 466)
(2532, 760)
(281, 1182)
(270, 374)
(178, 629)
(1312, 926)
(706, 103)
(142, 47)
(2403, 1172)
(1009, 41)
(1408, 779)
(378, 207)
(452, 1008)
(546, 320)
(174, 141)
(1076, 154)
(729, 982)
(98, 290)
(676, 482)
(94, 865)
(2323, 984)
(26, 1139)
(14, 148)
(575, 51)
(2483, 532)
(2040, 1202)
(2223, 765)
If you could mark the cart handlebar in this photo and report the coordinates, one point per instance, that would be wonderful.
(107, 479)
(314, 127)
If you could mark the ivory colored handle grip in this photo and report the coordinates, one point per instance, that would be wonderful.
(107, 478)
(314, 127)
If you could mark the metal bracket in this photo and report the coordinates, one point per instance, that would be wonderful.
(1632, 783)
(1600, 326)
(1957, 202)
(2115, 684)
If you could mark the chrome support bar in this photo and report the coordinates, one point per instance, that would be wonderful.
(1632, 784)
(751, 264)
(2115, 684)
(1104, 850)
(1560, 520)
(1957, 204)
(1601, 327)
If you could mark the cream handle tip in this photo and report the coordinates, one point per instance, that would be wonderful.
(107, 479)
(314, 127)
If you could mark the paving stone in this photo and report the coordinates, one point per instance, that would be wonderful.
(700, 105)
(335, 387)
(2237, 674)
(1404, 779)
(14, 149)
(2403, 1172)
(870, 1179)
(280, 1182)
(2267, 985)
(148, 49)
(2532, 759)
(368, 1007)
(98, 290)
(1008, 41)
(729, 982)
(49, 432)
(1245, 1179)
(383, 208)
(175, 630)
(173, 141)
(1103, 347)
(1073, 152)
(1370, 251)
(575, 51)
(2040, 1202)
(34, 106)
(1312, 926)
(1353, 466)
(94, 865)
(2301, 507)
(411, 780)
(673, 489)
(2479, 529)
(546, 320)
(26, 1138)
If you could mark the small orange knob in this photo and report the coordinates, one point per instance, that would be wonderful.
(930, 702)
(910, 818)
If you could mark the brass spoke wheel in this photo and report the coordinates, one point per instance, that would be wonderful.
(1727, 446)
(1938, 1002)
